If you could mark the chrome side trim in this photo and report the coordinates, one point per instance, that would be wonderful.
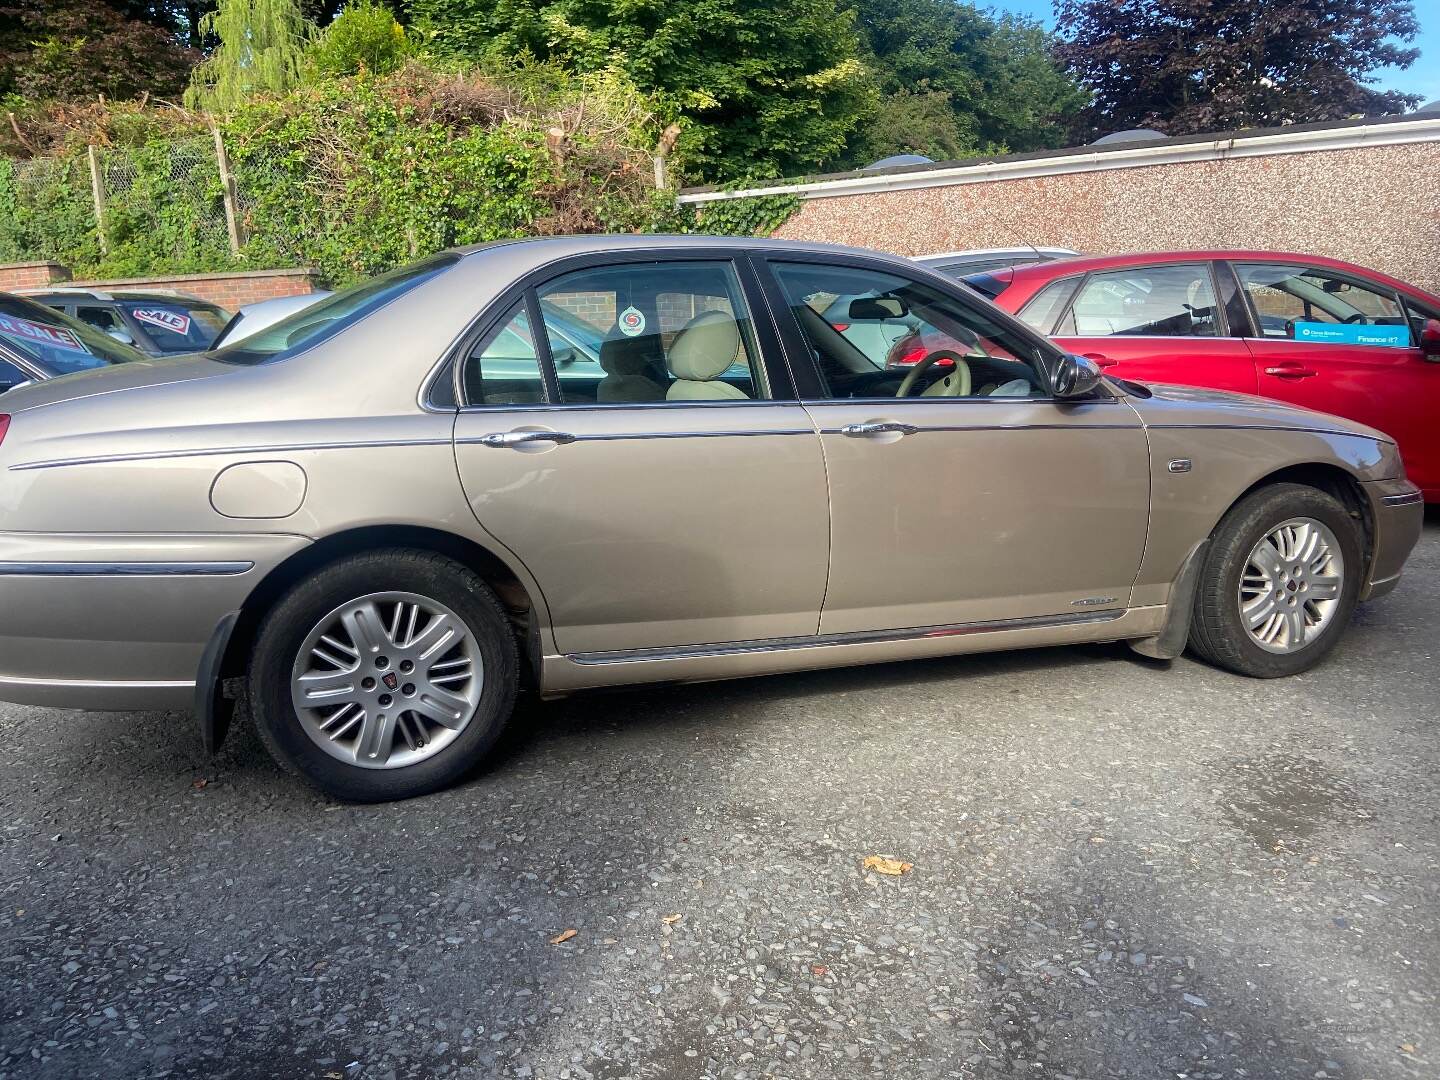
(922, 429)
(125, 569)
(96, 684)
(212, 451)
(1261, 427)
(863, 637)
(611, 406)
(1404, 499)
(469, 440)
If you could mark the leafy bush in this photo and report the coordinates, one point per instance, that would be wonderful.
(363, 37)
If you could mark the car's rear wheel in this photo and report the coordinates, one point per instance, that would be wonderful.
(1279, 582)
(384, 675)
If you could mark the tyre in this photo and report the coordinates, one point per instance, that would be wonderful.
(1279, 582)
(384, 675)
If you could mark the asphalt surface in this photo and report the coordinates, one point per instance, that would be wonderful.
(1120, 869)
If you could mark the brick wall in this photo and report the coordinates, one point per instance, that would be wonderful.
(230, 291)
(31, 274)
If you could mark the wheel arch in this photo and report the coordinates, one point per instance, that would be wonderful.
(1334, 481)
(517, 599)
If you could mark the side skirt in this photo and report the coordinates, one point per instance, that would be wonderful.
(738, 659)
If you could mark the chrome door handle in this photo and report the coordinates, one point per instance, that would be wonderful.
(502, 439)
(878, 427)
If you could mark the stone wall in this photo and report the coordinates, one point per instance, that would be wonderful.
(1378, 206)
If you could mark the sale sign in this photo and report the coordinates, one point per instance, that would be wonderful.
(58, 337)
(164, 318)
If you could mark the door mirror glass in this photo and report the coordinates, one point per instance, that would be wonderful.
(1430, 340)
(122, 336)
(1076, 376)
(878, 307)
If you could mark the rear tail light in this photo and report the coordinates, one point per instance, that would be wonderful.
(4, 425)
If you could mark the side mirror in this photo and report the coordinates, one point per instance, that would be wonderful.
(1076, 376)
(122, 336)
(1430, 340)
(878, 307)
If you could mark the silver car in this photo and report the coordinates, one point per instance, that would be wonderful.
(381, 518)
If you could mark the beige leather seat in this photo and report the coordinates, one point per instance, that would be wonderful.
(703, 350)
(625, 362)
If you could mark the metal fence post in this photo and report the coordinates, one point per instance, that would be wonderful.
(227, 190)
(97, 192)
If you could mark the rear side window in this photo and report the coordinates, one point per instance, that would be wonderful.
(504, 368)
(1154, 301)
(1302, 303)
(1045, 306)
(57, 342)
(178, 327)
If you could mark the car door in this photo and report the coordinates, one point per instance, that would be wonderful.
(1330, 340)
(681, 499)
(1160, 323)
(973, 495)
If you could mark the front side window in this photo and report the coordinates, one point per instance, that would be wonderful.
(914, 340)
(1299, 303)
(1154, 301)
(640, 333)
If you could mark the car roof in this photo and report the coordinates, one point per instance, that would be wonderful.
(548, 248)
(62, 293)
(1058, 268)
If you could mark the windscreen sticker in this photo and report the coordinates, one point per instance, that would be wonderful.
(631, 322)
(1389, 337)
(164, 318)
(55, 336)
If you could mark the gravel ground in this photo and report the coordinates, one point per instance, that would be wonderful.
(1121, 869)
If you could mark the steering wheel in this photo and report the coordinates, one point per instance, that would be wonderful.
(961, 373)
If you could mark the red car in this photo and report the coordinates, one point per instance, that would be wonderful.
(1315, 332)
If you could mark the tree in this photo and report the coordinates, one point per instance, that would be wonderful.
(261, 50)
(1184, 66)
(1001, 86)
(71, 49)
(763, 87)
(364, 36)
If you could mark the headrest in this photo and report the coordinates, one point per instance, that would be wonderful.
(707, 345)
(628, 355)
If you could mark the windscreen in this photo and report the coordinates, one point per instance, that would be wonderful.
(312, 325)
(59, 344)
(178, 326)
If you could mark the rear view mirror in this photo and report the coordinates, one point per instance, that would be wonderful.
(878, 307)
(1430, 340)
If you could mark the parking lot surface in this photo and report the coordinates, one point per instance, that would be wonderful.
(1120, 869)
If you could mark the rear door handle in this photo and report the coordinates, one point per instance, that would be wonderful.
(1290, 371)
(513, 439)
(878, 427)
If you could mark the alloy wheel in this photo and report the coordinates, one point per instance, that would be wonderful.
(1291, 585)
(387, 680)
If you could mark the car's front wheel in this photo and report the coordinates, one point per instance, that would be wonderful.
(384, 675)
(1279, 582)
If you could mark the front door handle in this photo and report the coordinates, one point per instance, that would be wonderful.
(878, 427)
(513, 439)
(1290, 371)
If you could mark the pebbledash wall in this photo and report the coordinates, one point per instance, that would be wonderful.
(1366, 191)
(231, 291)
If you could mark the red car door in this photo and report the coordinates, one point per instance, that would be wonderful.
(1156, 324)
(1329, 340)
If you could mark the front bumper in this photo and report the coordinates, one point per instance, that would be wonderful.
(119, 622)
(1398, 512)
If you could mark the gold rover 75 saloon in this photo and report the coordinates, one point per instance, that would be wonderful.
(581, 462)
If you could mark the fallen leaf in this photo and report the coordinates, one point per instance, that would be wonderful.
(200, 784)
(671, 920)
(819, 969)
(563, 936)
(881, 864)
(1409, 1048)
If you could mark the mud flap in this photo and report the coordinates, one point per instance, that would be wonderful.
(213, 709)
(1175, 634)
